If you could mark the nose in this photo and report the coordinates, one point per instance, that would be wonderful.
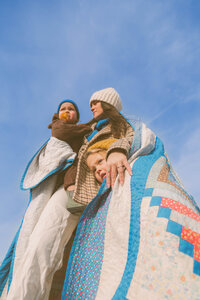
(67, 111)
(92, 107)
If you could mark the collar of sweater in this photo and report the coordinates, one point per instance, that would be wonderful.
(97, 127)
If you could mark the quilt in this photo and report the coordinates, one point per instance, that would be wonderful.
(140, 240)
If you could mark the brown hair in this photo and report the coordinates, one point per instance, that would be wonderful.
(95, 150)
(118, 123)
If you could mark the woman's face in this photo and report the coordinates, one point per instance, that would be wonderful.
(68, 108)
(97, 164)
(96, 108)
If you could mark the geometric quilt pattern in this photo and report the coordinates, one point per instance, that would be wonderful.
(189, 240)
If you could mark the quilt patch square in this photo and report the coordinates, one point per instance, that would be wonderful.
(148, 192)
(155, 201)
(186, 247)
(196, 268)
(164, 212)
(174, 228)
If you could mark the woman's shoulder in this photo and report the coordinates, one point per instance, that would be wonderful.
(130, 129)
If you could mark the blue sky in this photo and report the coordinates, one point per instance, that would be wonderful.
(51, 50)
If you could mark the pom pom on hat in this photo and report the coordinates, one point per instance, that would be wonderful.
(108, 95)
(103, 145)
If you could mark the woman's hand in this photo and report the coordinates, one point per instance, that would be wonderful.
(116, 165)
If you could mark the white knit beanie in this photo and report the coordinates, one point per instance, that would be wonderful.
(108, 95)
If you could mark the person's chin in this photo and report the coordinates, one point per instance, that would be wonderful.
(99, 116)
(96, 115)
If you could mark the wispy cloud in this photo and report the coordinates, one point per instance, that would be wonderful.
(194, 96)
(162, 112)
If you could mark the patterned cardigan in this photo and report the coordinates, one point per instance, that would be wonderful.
(86, 186)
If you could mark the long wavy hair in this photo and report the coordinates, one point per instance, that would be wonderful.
(118, 123)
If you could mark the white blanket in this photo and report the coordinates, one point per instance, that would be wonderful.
(37, 249)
